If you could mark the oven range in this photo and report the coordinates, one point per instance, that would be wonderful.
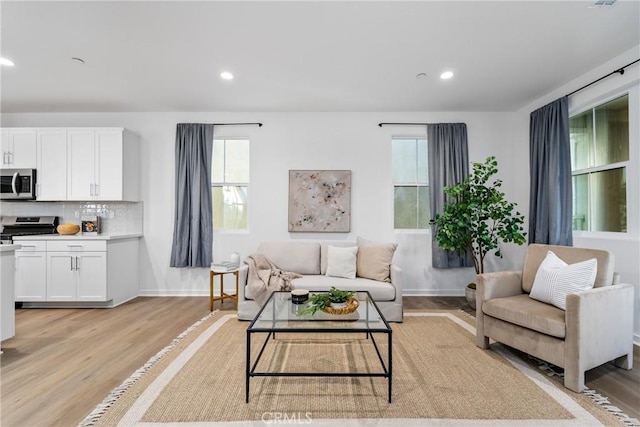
(13, 226)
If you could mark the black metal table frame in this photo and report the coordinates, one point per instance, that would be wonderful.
(271, 333)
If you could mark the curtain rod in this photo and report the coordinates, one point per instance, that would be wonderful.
(409, 124)
(234, 124)
(619, 70)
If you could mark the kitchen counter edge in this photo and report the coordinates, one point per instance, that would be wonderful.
(113, 236)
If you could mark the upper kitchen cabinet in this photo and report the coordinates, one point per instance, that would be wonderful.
(51, 164)
(18, 148)
(102, 164)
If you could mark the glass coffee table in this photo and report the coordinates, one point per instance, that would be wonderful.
(280, 315)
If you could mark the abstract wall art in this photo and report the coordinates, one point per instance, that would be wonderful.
(320, 201)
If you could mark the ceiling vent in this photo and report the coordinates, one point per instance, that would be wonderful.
(603, 3)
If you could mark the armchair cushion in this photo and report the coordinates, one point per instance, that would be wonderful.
(528, 313)
(555, 279)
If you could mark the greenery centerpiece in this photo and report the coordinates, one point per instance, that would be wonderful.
(323, 300)
(477, 217)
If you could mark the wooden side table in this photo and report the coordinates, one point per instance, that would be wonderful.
(222, 296)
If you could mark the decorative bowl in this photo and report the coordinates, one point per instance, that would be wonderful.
(68, 228)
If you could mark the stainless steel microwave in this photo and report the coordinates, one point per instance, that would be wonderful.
(17, 184)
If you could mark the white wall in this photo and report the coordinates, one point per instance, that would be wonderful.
(351, 141)
(624, 246)
(294, 141)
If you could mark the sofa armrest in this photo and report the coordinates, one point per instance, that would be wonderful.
(493, 285)
(599, 324)
(243, 273)
(395, 274)
(498, 285)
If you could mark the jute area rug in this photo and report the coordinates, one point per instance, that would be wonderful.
(439, 378)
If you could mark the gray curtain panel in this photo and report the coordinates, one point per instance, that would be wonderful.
(550, 197)
(193, 229)
(448, 165)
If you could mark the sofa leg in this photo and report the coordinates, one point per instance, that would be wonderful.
(574, 379)
(625, 362)
(482, 341)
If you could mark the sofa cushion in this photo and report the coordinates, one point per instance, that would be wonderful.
(528, 313)
(555, 279)
(374, 259)
(341, 262)
(299, 257)
(380, 291)
(324, 253)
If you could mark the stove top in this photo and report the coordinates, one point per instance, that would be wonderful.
(26, 226)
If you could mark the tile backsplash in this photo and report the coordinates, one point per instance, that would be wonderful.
(117, 217)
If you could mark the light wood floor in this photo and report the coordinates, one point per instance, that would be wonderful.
(63, 362)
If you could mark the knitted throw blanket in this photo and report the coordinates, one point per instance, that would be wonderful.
(264, 277)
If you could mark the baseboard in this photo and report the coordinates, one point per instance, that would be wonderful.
(176, 293)
(70, 304)
(433, 292)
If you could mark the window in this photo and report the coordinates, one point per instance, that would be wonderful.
(230, 183)
(410, 183)
(599, 159)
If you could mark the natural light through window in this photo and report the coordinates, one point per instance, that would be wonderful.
(410, 183)
(230, 183)
(599, 161)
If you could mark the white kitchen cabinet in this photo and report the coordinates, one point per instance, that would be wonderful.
(18, 148)
(31, 272)
(101, 165)
(76, 276)
(76, 271)
(51, 167)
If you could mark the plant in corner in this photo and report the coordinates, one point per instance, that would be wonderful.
(477, 218)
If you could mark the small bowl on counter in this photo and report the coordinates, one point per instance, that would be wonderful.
(68, 229)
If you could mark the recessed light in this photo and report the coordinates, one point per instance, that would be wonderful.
(79, 60)
(7, 62)
(226, 75)
(446, 75)
(421, 76)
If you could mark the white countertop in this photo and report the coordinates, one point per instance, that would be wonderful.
(7, 248)
(79, 236)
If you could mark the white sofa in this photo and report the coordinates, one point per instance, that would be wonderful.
(310, 260)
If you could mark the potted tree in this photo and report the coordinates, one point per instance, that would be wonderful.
(477, 218)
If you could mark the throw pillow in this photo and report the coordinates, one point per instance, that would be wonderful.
(555, 279)
(374, 259)
(341, 261)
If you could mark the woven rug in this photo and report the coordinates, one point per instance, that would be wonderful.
(439, 378)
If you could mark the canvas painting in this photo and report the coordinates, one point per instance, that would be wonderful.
(320, 200)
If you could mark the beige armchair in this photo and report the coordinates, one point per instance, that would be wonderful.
(596, 327)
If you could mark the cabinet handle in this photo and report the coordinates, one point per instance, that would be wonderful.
(71, 263)
(96, 189)
(10, 157)
(37, 190)
(4, 158)
(90, 189)
(77, 264)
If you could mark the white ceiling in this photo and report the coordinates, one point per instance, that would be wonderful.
(302, 55)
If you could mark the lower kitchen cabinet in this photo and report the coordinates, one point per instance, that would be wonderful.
(80, 272)
(31, 272)
(73, 276)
